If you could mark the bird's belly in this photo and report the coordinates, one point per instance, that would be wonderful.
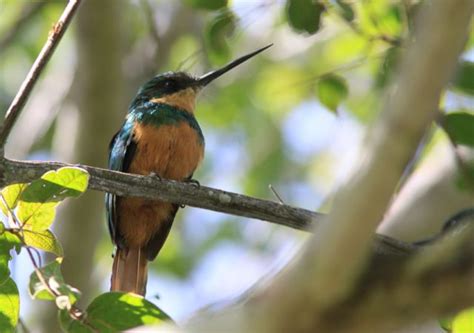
(170, 151)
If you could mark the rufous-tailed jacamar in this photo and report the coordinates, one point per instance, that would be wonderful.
(160, 136)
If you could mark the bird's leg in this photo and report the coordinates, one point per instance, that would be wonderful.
(193, 182)
(154, 174)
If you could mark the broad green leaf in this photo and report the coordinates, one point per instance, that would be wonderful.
(9, 306)
(464, 79)
(8, 242)
(114, 311)
(460, 127)
(207, 4)
(43, 240)
(52, 274)
(11, 193)
(346, 10)
(36, 216)
(54, 186)
(464, 321)
(216, 34)
(331, 90)
(304, 15)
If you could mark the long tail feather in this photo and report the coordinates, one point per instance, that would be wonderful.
(129, 272)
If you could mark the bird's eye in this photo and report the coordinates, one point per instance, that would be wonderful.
(170, 84)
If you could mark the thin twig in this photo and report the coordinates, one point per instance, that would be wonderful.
(74, 312)
(21, 97)
(276, 194)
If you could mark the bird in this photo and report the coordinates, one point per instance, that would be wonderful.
(160, 137)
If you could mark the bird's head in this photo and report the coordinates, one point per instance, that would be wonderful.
(179, 89)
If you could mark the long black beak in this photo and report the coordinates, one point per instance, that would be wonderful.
(211, 76)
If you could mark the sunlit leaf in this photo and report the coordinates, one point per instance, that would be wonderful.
(43, 240)
(9, 305)
(304, 15)
(464, 321)
(54, 186)
(36, 216)
(207, 4)
(331, 91)
(460, 127)
(53, 276)
(11, 193)
(8, 242)
(114, 311)
(216, 34)
(464, 79)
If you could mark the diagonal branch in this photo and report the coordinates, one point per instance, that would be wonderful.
(23, 93)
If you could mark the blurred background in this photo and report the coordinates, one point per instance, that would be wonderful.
(292, 117)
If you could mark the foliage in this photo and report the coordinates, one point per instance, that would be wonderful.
(30, 210)
(339, 54)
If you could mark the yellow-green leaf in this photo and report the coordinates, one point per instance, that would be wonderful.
(36, 216)
(44, 240)
(464, 321)
(8, 242)
(9, 306)
(11, 194)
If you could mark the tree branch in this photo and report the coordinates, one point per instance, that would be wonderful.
(23, 93)
(125, 184)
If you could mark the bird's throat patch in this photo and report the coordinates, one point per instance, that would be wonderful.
(184, 99)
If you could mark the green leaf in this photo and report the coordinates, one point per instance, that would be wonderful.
(9, 305)
(346, 10)
(304, 15)
(207, 4)
(446, 324)
(54, 186)
(8, 242)
(44, 240)
(52, 274)
(114, 311)
(464, 321)
(464, 79)
(216, 34)
(11, 193)
(460, 127)
(331, 91)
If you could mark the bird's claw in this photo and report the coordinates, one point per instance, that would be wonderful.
(193, 182)
(154, 174)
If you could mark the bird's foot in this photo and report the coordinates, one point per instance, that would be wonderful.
(154, 174)
(193, 182)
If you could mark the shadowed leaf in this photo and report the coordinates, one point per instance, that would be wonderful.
(207, 4)
(52, 274)
(464, 79)
(216, 35)
(460, 127)
(304, 15)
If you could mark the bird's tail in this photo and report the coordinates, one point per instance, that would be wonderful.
(129, 272)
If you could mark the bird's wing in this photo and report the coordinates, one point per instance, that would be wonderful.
(122, 148)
